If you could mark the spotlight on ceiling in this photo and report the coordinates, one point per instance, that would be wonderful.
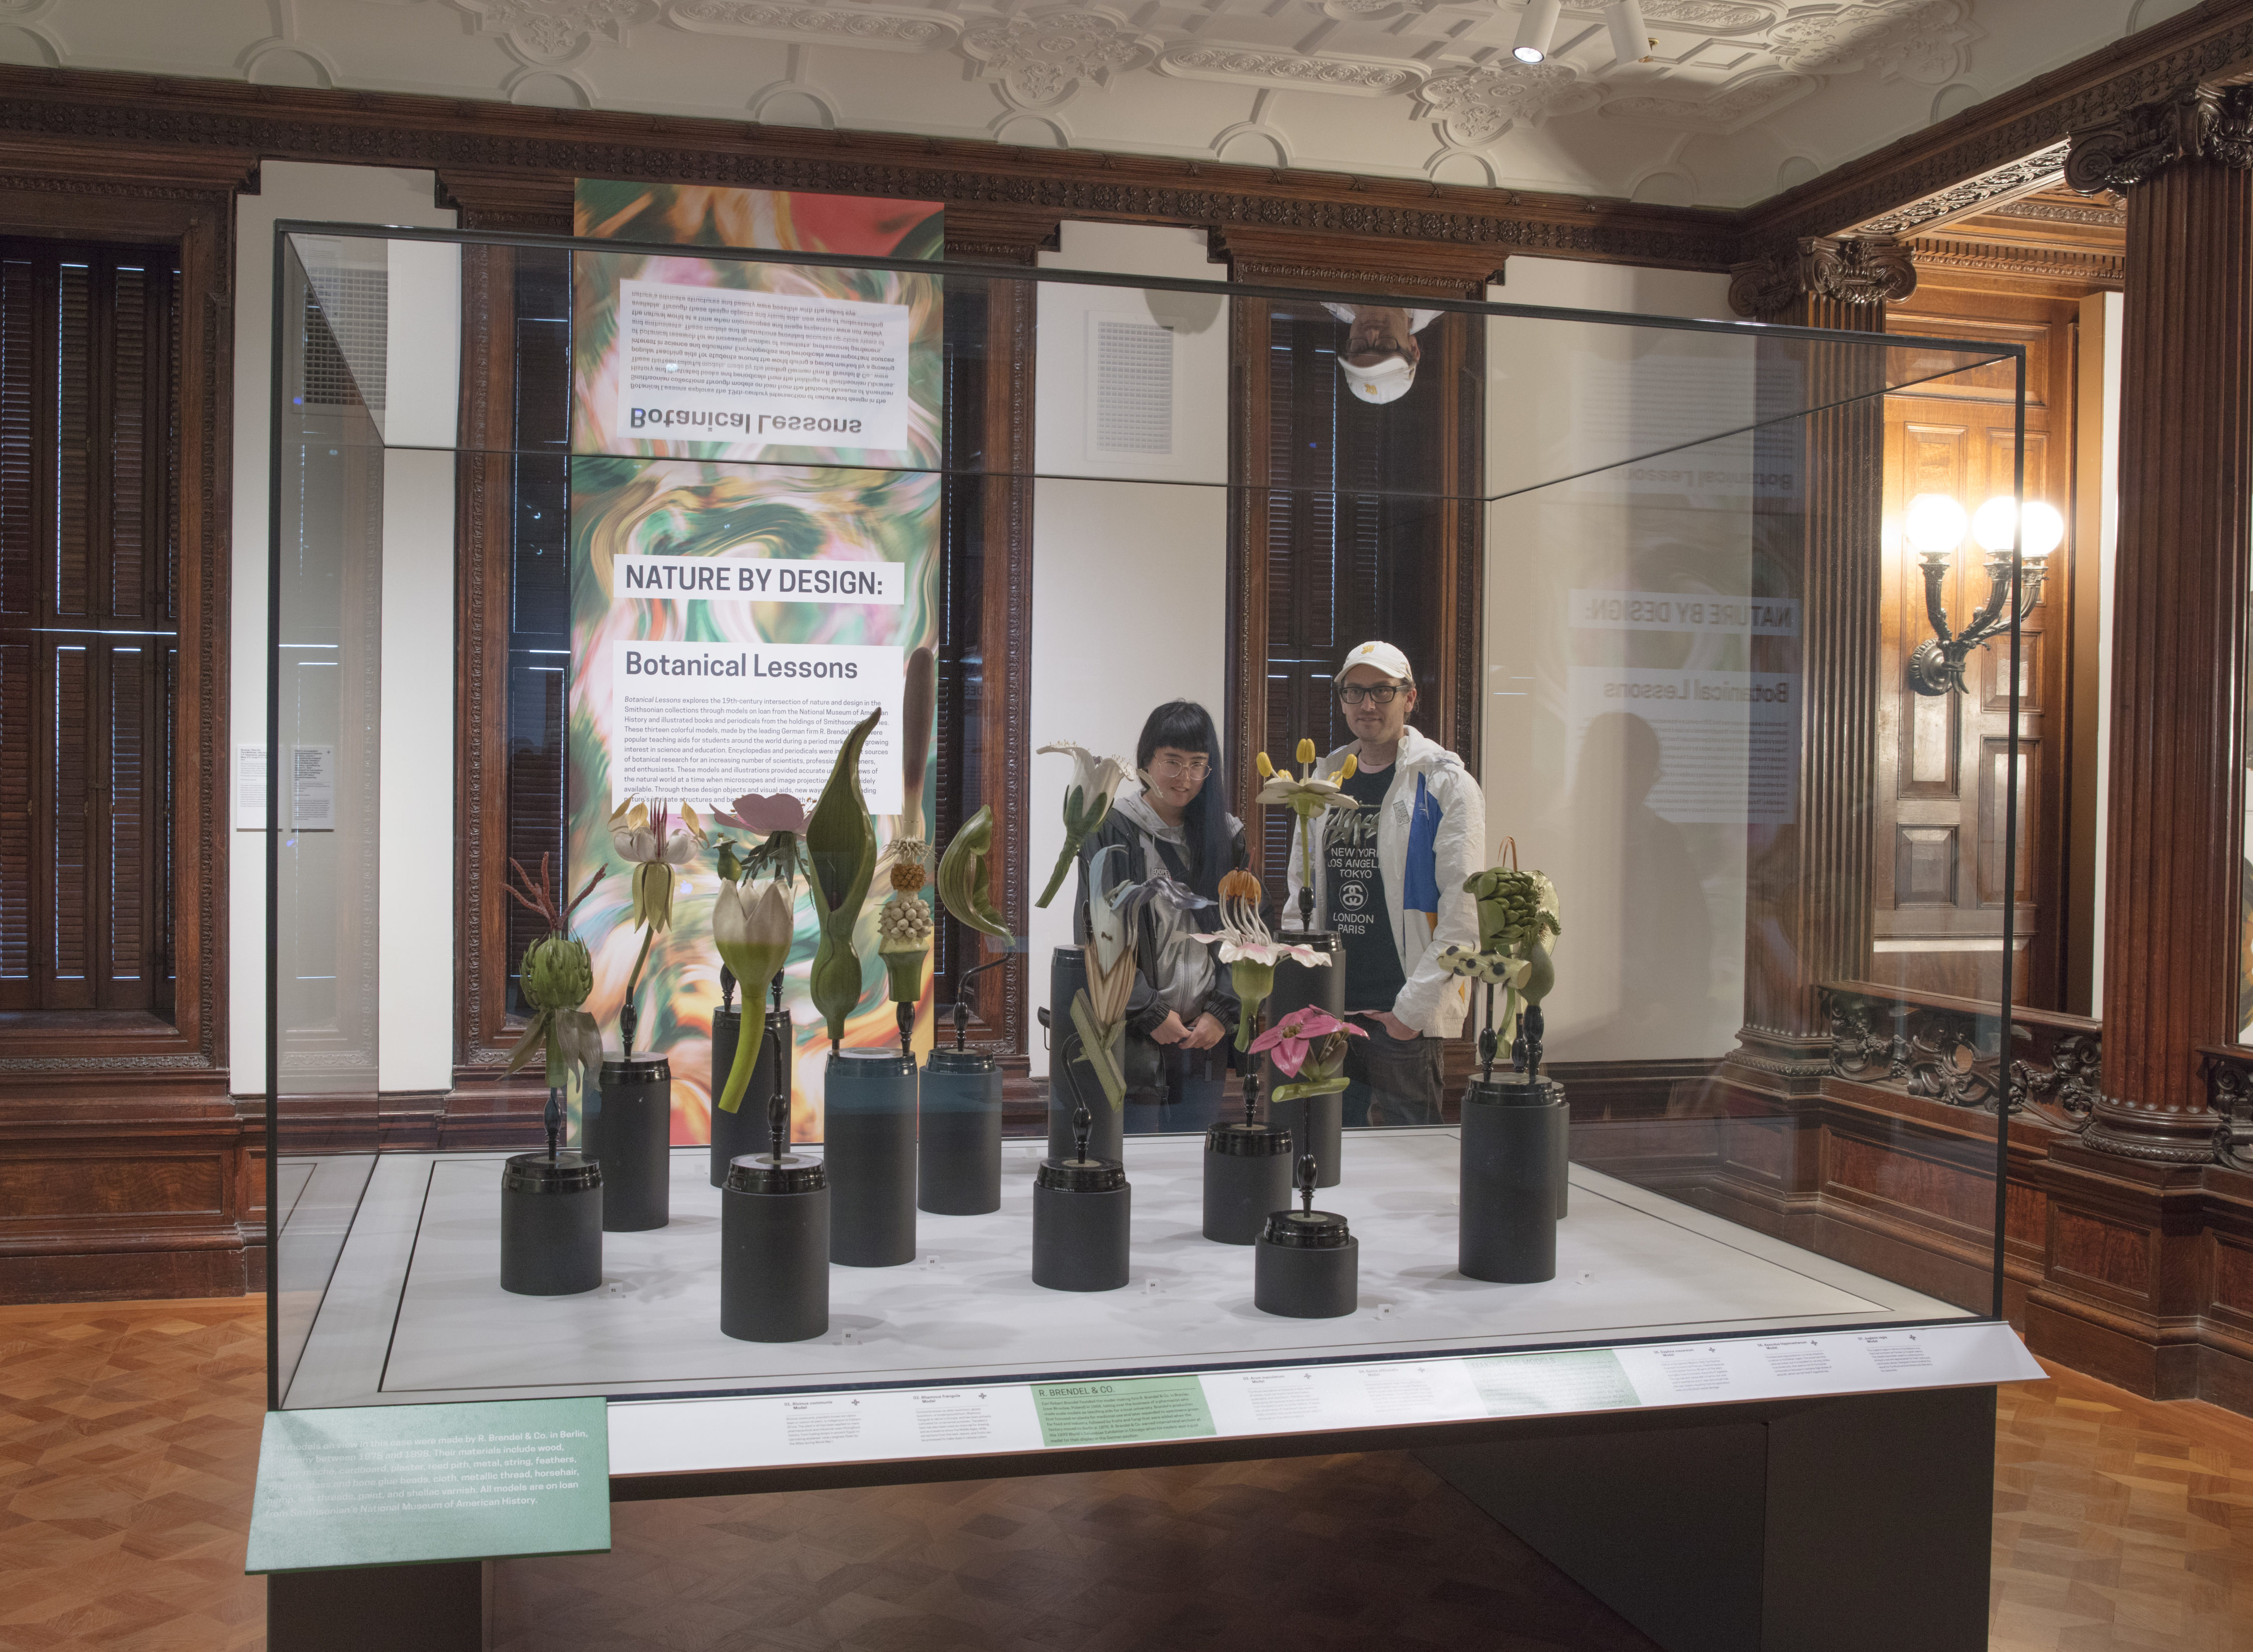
(1624, 19)
(1534, 31)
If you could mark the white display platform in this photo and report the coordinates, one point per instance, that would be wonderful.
(687, 1437)
(414, 1310)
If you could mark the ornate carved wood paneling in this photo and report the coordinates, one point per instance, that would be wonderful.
(2176, 798)
(1852, 271)
(1266, 257)
(1947, 1049)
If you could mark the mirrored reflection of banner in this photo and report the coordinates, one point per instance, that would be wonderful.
(753, 538)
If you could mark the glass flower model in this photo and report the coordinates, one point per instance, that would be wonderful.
(841, 859)
(1098, 1010)
(903, 922)
(556, 976)
(753, 931)
(1307, 1045)
(966, 876)
(1306, 796)
(1518, 923)
(1250, 951)
(1086, 802)
(645, 838)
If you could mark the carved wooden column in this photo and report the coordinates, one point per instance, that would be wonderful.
(2175, 812)
(1807, 907)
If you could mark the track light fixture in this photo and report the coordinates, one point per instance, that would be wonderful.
(1624, 19)
(1535, 30)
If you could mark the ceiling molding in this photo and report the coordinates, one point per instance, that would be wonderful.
(56, 121)
(2089, 269)
(143, 119)
(2210, 41)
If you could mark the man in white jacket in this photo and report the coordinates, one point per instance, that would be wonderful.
(1388, 879)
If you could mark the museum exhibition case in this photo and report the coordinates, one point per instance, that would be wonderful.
(792, 1201)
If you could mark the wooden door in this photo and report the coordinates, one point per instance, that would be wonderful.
(1945, 770)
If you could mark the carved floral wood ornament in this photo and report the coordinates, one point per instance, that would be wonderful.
(1854, 269)
(2197, 123)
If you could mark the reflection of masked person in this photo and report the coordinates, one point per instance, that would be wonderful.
(1381, 351)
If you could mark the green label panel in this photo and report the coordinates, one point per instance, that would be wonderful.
(1130, 1408)
(1590, 1380)
(391, 1485)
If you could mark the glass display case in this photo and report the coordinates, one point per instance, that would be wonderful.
(564, 528)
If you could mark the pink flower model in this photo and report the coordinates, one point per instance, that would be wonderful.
(1298, 1032)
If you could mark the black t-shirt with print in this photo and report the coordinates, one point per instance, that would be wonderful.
(1353, 885)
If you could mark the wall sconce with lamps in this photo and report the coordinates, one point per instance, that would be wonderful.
(1934, 526)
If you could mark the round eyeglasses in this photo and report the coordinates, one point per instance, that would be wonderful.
(1182, 768)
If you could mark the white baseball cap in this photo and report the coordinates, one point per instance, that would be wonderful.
(1383, 656)
(1385, 381)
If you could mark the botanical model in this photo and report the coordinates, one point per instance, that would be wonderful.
(1518, 925)
(644, 839)
(1098, 1010)
(557, 976)
(1086, 801)
(903, 924)
(966, 889)
(841, 842)
(1306, 796)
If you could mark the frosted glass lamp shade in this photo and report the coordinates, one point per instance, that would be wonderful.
(2041, 529)
(1934, 522)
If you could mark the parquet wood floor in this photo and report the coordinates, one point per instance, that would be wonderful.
(129, 1436)
(128, 1433)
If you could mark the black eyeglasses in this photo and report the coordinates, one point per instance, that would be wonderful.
(1381, 693)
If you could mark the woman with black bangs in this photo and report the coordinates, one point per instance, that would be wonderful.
(1175, 821)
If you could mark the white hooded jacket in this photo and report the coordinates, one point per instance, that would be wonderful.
(1431, 1001)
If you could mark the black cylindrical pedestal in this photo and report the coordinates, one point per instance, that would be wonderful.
(551, 1224)
(774, 1250)
(1080, 1225)
(1305, 1281)
(869, 1149)
(1070, 1081)
(1247, 1175)
(1300, 986)
(958, 1134)
(745, 1130)
(1564, 1149)
(1507, 1228)
(632, 1138)
(1316, 1124)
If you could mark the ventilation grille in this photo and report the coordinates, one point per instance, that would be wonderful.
(347, 332)
(1132, 388)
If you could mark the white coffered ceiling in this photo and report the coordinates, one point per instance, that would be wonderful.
(1734, 98)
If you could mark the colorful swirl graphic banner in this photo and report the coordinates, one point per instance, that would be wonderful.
(817, 566)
